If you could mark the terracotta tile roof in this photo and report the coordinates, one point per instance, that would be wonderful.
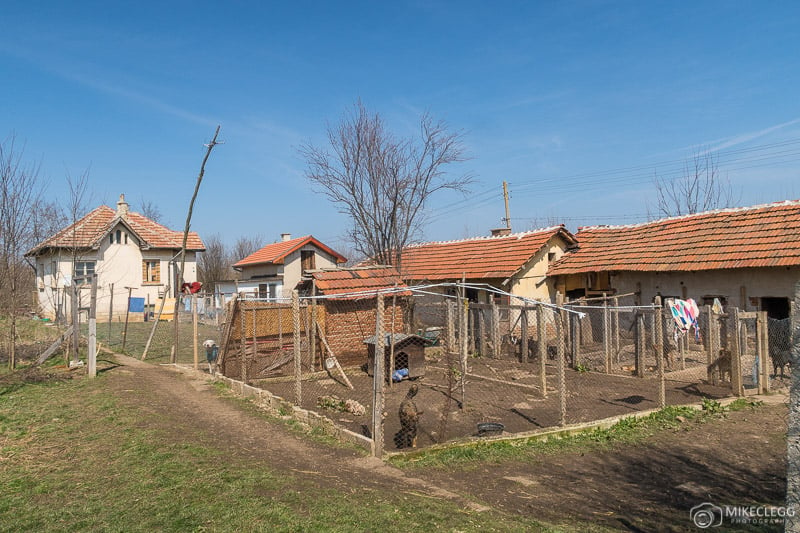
(275, 253)
(760, 236)
(352, 281)
(89, 231)
(477, 258)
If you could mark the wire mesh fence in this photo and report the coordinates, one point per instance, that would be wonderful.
(412, 368)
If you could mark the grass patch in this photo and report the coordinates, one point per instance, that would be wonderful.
(629, 430)
(73, 458)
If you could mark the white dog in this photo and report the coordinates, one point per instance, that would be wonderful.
(211, 355)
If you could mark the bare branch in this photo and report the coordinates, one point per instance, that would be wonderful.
(381, 182)
(700, 188)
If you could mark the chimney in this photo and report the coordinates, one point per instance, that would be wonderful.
(500, 232)
(122, 207)
(286, 237)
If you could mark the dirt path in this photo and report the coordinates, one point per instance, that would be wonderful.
(189, 409)
(738, 460)
(645, 487)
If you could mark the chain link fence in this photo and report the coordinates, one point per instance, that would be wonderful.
(411, 368)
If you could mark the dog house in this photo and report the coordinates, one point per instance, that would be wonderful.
(409, 353)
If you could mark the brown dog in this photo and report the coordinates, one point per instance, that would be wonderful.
(409, 419)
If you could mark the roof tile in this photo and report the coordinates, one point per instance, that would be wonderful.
(760, 236)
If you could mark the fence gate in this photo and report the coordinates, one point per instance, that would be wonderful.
(750, 342)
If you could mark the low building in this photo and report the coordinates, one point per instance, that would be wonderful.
(273, 271)
(515, 263)
(747, 257)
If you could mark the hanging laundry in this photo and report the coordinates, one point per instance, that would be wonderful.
(685, 314)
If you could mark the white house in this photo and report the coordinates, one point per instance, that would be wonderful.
(275, 270)
(129, 254)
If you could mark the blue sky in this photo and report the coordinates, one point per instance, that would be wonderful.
(576, 104)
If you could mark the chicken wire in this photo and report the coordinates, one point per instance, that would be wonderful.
(492, 365)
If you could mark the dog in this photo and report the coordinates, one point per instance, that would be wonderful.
(409, 420)
(720, 369)
(212, 351)
(780, 359)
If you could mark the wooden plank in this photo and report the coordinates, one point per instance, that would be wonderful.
(45, 355)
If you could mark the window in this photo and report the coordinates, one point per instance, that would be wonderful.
(84, 270)
(307, 260)
(268, 290)
(151, 271)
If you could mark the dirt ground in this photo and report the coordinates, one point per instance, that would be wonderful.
(499, 391)
(646, 487)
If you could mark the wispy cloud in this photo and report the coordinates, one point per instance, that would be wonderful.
(745, 137)
(71, 73)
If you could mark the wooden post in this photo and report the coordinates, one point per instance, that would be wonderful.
(541, 333)
(194, 332)
(127, 312)
(523, 324)
(110, 311)
(658, 320)
(378, 381)
(463, 358)
(710, 353)
(155, 323)
(639, 345)
(313, 345)
(471, 331)
(481, 322)
(762, 339)
(76, 323)
(243, 342)
(736, 353)
(562, 377)
(92, 348)
(495, 330)
(254, 357)
(575, 338)
(616, 330)
(606, 334)
(298, 370)
(177, 314)
(451, 326)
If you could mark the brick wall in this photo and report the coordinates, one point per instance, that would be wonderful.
(349, 322)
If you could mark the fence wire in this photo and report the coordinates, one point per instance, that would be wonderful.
(450, 368)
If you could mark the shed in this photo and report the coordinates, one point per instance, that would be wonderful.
(409, 352)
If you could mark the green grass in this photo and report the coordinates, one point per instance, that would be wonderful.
(629, 430)
(72, 458)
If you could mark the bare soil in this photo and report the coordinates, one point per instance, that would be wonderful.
(498, 391)
(646, 487)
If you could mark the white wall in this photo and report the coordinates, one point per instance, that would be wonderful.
(732, 284)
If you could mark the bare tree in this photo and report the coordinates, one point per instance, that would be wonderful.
(245, 246)
(381, 182)
(214, 264)
(20, 193)
(150, 210)
(700, 188)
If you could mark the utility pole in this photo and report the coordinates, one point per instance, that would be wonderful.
(505, 197)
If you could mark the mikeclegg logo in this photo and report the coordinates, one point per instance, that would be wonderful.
(706, 515)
